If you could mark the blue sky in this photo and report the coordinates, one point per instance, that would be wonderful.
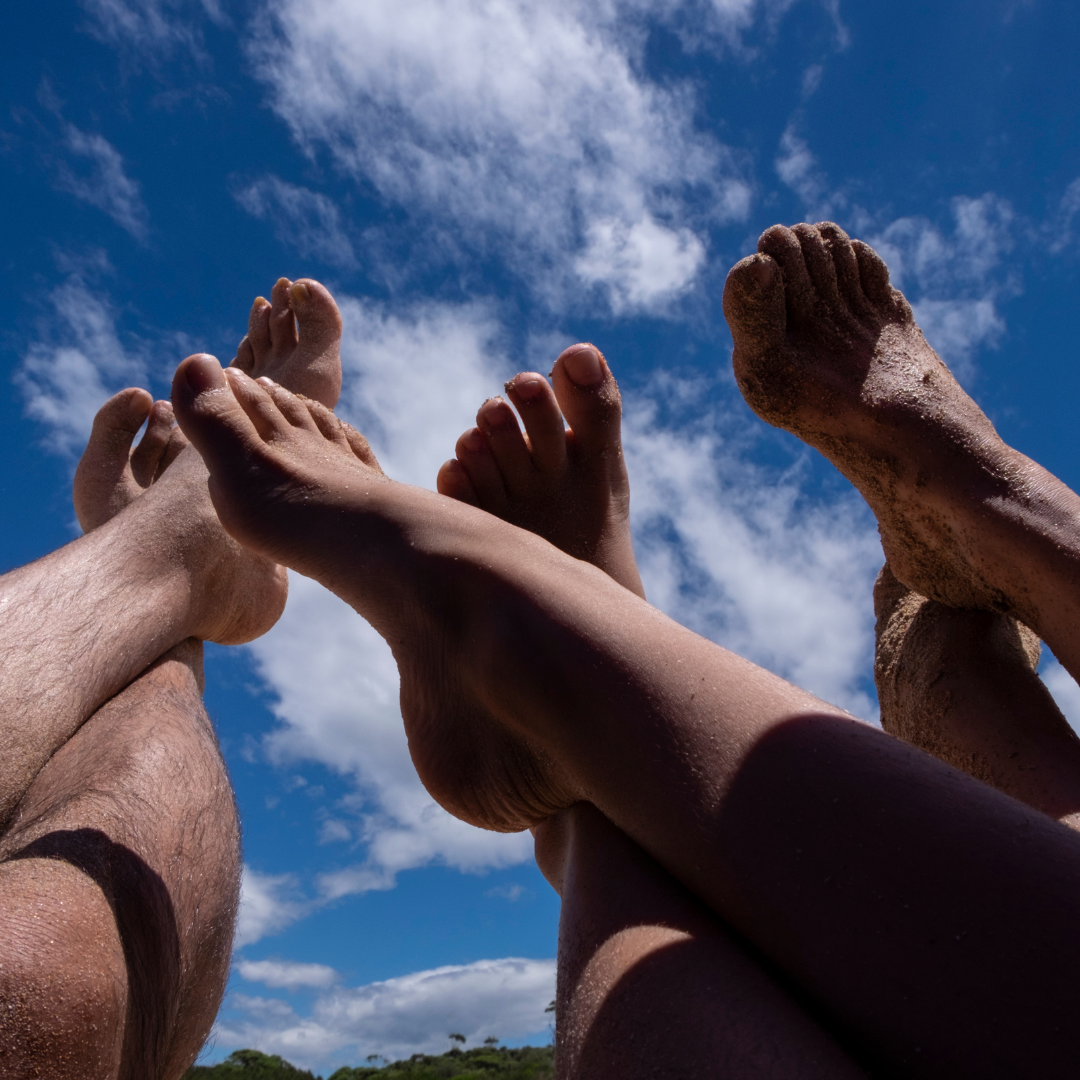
(481, 184)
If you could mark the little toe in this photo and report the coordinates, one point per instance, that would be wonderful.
(819, 264)
(147, 456)
(453, 482)
(258, 335)
(474, 454)
(783, 245)
(754, 304)
(500, 427)
(874, 275)
(282, 318)
(589, 398)
(535, 402)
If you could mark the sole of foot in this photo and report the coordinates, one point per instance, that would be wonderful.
(827, 349)
(291, 482)
(962, 686)
(294, 338)
(568, 485)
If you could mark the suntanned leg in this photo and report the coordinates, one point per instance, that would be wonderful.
(872, 875)
(651, 984)
(119, 881)
(827, 349)
(962, 685)
(568, 486)
(80, 624)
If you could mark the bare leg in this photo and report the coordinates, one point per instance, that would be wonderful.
(873, 876)
(651, 984)
(827, 349)
(962, 685)
(120, 878)
(80, 624)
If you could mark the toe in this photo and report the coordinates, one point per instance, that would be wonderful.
(210, 415)
(245, 357)
(874, 275)
(102, 473)
(535, 402)
(282, 401)
(282, 319)
(476, 458)
(319, 324)
(783, 245)
(500, 427)
(589, 397)
(152, 446)
(453, 482)
(846, 266)
(258, 335)
(819, 264)
(754, 304)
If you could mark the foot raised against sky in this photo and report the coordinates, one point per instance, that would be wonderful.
(568, 486)
(826, 348)
(293, 483)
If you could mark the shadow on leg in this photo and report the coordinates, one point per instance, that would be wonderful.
(120, 882)
(651, 984)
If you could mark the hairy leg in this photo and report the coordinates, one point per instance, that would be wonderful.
(119, 880)
(873, 876)
(567, 485)
(651, 984)
(155, 566)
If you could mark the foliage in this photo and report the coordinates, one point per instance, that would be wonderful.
(481, 1063)
(248, 1065)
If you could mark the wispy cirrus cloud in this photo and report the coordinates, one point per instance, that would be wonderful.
(307, 220)
(92, 169)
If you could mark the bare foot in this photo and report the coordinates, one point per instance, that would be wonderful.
(568, 486)
(110, 475)
(294, 339)
(826, 348)
(962, 685)
(293, 483)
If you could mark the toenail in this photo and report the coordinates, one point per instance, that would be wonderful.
(474, 441)
(301, 294)
(495, 411)
(260, 300)
(528, 388)
(265, 380)
(204, 373)
(582, 365)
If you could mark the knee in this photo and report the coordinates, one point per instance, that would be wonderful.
(63, 985)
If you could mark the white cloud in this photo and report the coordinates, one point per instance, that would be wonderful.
(287, 974)
(798, 168)
(1063, 688)
(954, 280)
(95, 173)
(77, 363)
(150, 30)
(523, 128)
(399, 1017)
(307, 220)
(739, 554)
(268, 903)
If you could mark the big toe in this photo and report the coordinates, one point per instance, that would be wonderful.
(102, 475)
(589, 398)
(314, 369)
(754, 304)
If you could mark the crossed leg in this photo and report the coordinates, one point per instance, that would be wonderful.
(872, 876)
(119, 860)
